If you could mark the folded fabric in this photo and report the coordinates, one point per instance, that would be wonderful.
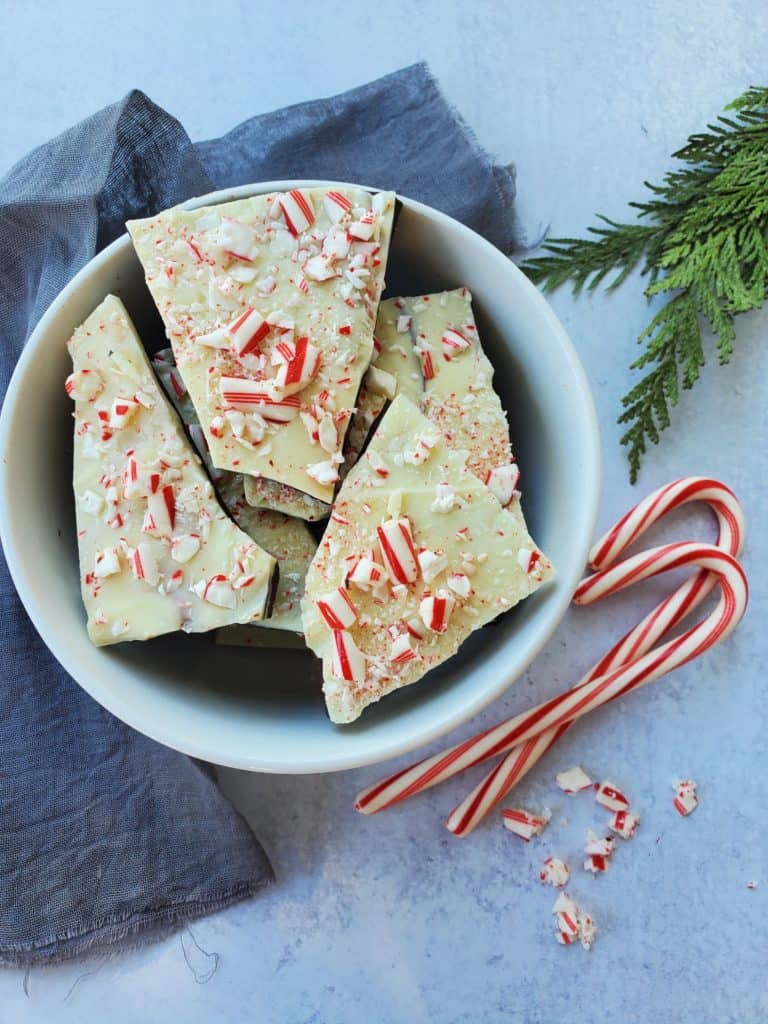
(106, 836)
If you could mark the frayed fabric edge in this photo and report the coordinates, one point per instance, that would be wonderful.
(120, 935)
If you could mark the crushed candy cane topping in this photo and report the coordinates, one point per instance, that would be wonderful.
(611, 797)
(573, 780)
(624, 823)
(572, 923)
(555, 872)
(523, 823)
(686, 800)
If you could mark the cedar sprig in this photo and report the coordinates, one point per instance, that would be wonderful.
(701, 239)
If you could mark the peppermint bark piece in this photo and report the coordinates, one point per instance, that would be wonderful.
(269, 304)
(437, 335)
(157, 552)
(287, 539)
(418, 553)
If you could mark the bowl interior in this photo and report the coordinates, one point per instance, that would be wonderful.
(262, 709)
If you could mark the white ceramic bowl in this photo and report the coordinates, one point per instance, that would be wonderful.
(263, 710)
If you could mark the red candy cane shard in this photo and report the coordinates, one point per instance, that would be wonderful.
(624, 823)
(397, 549)
(347, 660)
(337, 609)
(297, 211)
(453, 343)
(524, 824)
(436, 610)
(336, 205)
(611, 797)
(501, 481)
(248, 331)
(300, 366)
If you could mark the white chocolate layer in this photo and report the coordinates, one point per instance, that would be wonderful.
(157, 552)
(287, 539)
(308, 268)
(451, 513)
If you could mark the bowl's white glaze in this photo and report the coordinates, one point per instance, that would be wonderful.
(263, 710)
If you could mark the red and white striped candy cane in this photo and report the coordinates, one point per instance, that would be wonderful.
(724, 503)
(534, 732)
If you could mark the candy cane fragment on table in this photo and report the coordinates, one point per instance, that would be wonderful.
(646, 634)
(716, 564)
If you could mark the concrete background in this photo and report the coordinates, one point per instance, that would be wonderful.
(390, 919)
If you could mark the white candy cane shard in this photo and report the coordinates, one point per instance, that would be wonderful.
(431, 563)
(460, 584)
(567, 913)
(219, 338)
(402, 651)
(436, 610)
(250, 396)
(502, 482)
(403, 324)
(555, 872)
(424, 352)
(397, 550)
(601, 846)
(421, 452)
(415, 629)
(161, 511)
(324, 472)
(144, 564)
(624, 823)
(347, 660)
(337, 609)
(107, 563)
(319, 268)
(445, 499)
(185, 547)
(84, 385)
(453, 343)
(297, 211)
(363, 228)
(573, 780)
(300, 369)
(217, 591)
(248, 331)
(685, 801)
(368, 575)
(336, 205)
(327, 434)
(587, 930)
(238, 240)
(611, 797)
(752, 884)
(523, 823)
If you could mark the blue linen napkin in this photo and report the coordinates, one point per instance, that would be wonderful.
(106, 837)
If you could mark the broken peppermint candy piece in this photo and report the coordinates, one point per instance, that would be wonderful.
(573, 780)
(555, 872)
(567, 914)
(624, 823)
(685, 801)
(610, 796)
(83, 385)
(523, 823)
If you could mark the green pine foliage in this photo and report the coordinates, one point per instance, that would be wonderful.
(702, 240)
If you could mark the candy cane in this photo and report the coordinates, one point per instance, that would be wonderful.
(464, 818)
(499, 739)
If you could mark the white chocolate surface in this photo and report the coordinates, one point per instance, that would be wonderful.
(120, 472)
(478, 537)
(207, 267)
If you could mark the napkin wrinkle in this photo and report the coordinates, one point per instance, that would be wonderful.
(108, 839)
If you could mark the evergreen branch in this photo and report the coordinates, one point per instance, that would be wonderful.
(701, 239)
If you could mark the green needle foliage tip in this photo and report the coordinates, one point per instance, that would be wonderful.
(702, 240)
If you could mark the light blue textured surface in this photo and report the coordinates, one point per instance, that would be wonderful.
(390, 919)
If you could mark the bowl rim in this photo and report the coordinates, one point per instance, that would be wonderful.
(141, 717)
